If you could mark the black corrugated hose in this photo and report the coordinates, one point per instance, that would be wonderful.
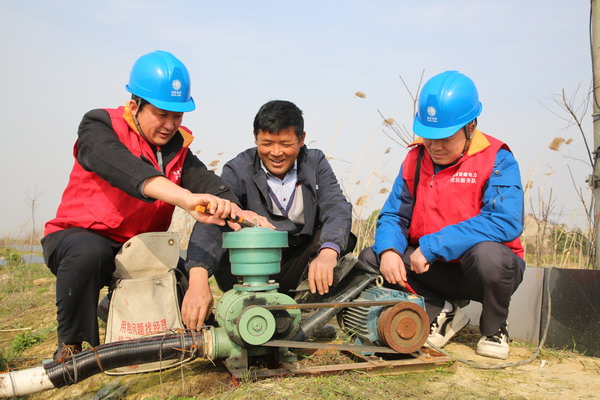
(126, 353)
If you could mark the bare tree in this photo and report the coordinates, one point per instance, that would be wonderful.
(32, 200)
(542, 217)
(574, 108)
(400, 133)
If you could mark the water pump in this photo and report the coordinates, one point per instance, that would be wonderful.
(244, 322)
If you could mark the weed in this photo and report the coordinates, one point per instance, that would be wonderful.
(25, 340)
(11, 257)
(15, 292)
(20, 343)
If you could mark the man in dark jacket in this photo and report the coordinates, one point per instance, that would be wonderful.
(297, 190)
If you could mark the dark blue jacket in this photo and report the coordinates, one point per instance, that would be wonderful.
(325, 206)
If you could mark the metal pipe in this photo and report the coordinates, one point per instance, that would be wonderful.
(355, 277)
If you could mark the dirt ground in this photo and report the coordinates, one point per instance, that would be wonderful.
(554, 374)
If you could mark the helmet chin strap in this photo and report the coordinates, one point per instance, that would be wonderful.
(467, 143)
(135, 118)
(159, 158)
(137, 125)
(468, 128)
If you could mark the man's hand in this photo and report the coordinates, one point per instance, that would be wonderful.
(249, 216)
(320, 271)
(392, 268)
(198, 300)
(418, 262)
(217, 208)
(160, 188)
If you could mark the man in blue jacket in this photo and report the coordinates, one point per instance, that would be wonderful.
(296, 189)
(451, 225)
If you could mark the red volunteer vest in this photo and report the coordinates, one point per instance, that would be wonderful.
(455, 193)
(92, 203)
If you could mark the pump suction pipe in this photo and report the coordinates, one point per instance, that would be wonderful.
(185, 345)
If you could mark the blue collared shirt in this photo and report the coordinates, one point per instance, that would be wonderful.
(283, 190)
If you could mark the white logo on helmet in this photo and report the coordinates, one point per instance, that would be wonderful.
(176, 85)
(431, 112)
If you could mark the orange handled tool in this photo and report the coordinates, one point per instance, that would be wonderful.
(238, 219)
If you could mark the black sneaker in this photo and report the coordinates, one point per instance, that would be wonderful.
(495, 346)
(446, 325)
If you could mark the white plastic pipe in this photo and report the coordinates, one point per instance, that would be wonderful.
(24, 382)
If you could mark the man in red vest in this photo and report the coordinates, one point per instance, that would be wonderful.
(132, 167)
(451, 225)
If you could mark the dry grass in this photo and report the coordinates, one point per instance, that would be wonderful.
(28, 302)
(556, 143)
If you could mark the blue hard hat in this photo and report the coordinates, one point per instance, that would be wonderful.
(447, 102)
(162, 80)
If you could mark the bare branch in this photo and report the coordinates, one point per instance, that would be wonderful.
(557, 115)
(577, 159)
(568, 106)
(401, 132)
(393, 138)
(588, 211)
(405, 136)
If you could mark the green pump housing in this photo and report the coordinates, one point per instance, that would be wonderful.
(244, 322)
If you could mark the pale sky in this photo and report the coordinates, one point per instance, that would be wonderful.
(63, 58)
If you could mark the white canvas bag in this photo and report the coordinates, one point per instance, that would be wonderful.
(144, 299)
